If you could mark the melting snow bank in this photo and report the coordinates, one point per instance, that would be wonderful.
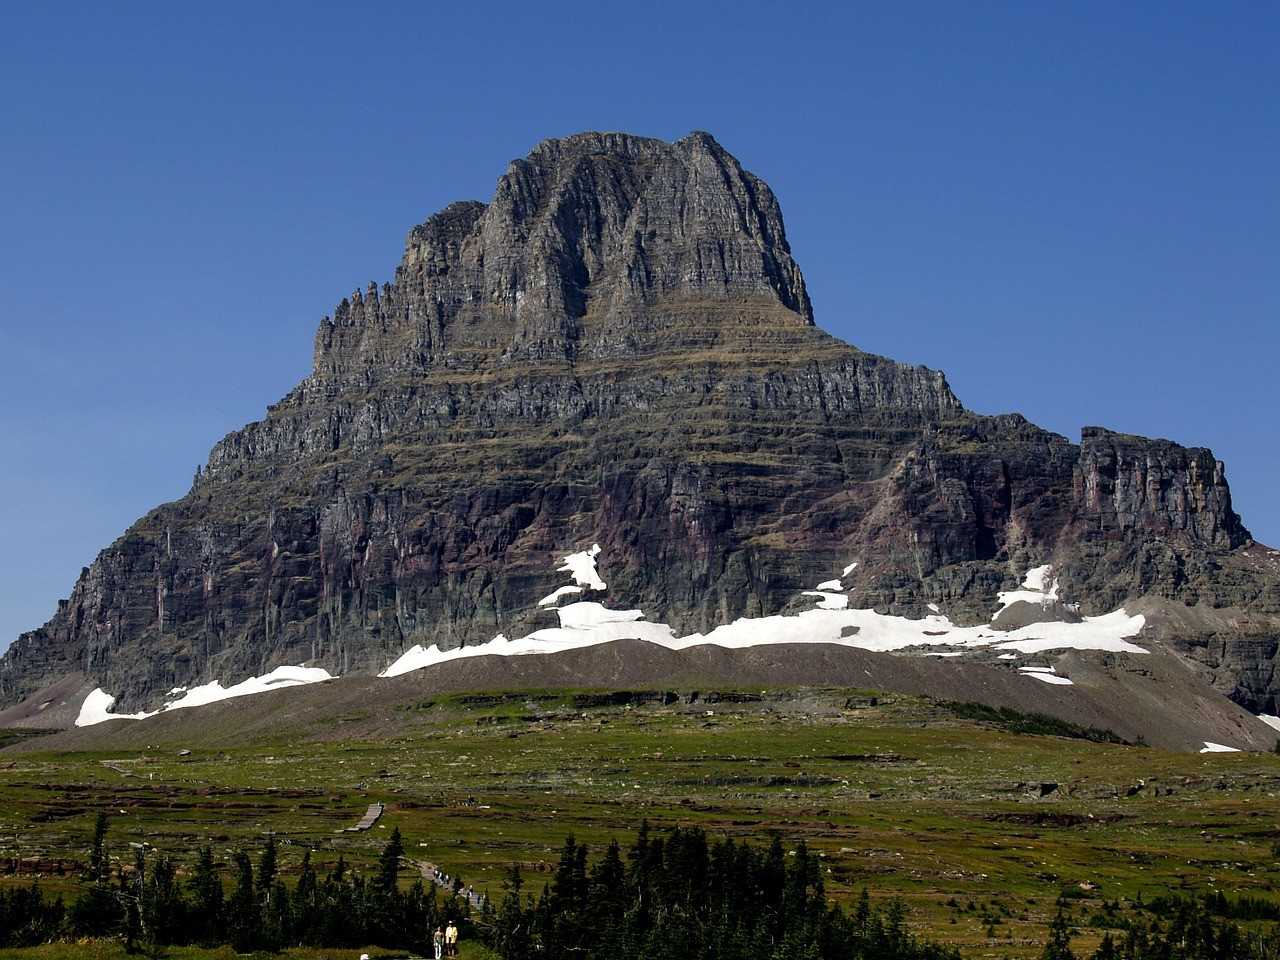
(1210, 747)
(1037, 587)
(1270, 720)
(277, 678)
(1046, 674)
(583, 567)
(586, 624)
(583, 624)
(96, 706)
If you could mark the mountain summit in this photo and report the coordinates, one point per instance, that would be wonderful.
(619, 350)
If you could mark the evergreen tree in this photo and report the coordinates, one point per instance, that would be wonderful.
(1107, 949)
(97, 912)
(162, 909)
(385, 907)
(340, 922)
(268, 868)
(387, 881)
(97, 851)
(419, 914)
(606, 889)
(131, 892)
(304, 906)
(26, 918)
(511, 927)
(1058, 946)
(243, 915)
(275, 917)
(205, 889)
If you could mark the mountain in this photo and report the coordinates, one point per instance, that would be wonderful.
(619, 350)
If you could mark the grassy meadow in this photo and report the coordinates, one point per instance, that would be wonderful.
(981, 831)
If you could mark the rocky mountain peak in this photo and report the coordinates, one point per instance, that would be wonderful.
(619, 349)
(585, 245)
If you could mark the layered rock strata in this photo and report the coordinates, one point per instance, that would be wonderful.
(620, 349)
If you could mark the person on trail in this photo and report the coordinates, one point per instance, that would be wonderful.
(438, 941)
(451, 939)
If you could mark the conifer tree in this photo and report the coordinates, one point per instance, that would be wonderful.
(205, 889)
(97, 912)
(1058, 946)
(244, 917)
(162, 908)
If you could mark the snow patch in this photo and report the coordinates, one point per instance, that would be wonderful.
(277, 678)
(829, 601)
(1107, 632)
(1270, 720)
(583, 624)
(587, 623)
(553, 597)
(583, 567)
(1036, 588)
(1046, 677)
(1211, 747)
(96, 708)
(849, 569)
(829, 585)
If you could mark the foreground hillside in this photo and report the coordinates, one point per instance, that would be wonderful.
(981, 830)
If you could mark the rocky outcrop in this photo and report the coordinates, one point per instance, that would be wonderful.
(619, 349)
(1130, 483)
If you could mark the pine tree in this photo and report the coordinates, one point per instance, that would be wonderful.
(244, 917)
(304, 906)
(162, 908)
(385, 913)
(205, 889)
(97, 853)
(97, 912)
(1058, 946)
(267, 870)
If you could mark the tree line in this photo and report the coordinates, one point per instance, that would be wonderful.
(1181, 928)
(684, 898)
(680, 896)
(150, 907)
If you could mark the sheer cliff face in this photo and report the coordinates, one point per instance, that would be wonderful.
(618, 349)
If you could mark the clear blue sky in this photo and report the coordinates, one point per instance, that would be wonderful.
(1072, 209)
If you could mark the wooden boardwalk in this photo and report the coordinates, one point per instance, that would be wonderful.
(368, 820)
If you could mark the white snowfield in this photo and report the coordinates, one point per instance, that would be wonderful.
(583, 567)
(585, 624)
(95, 708)
(589, 623)
(1210, 747)
(1046, 674)
(1036, 588)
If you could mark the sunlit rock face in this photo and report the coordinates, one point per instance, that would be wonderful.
(619, 349)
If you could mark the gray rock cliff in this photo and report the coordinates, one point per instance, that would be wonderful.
(620, 349)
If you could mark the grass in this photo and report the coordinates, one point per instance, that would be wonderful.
(897, 794)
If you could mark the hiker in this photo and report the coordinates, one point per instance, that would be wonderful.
(438, 941)
(451, 939)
